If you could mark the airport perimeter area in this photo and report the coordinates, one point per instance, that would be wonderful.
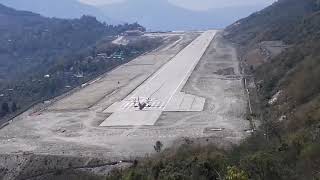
(195, 89)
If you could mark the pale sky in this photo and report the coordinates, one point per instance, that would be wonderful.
(192, 4)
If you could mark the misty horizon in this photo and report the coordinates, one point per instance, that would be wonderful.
(154, 15)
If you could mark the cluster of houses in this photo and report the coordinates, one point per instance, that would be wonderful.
(100, 57)
(8, 92)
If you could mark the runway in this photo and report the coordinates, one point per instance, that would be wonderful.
(71, 125)
(163, 89)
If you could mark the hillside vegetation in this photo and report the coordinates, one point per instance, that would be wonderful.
(41, 57)
(287, 144)
(28, 39)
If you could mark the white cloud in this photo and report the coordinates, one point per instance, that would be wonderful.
(193, 4)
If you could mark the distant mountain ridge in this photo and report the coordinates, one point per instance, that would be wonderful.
(162, 15)
(59, 8)
(153, 14)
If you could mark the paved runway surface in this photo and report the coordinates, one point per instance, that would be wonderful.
(163, 89)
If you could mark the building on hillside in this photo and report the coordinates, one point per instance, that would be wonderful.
(133, 33)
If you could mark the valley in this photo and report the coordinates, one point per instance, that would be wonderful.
(80, 124)
(81, 99)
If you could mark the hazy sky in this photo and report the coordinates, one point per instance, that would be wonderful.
(194, 4)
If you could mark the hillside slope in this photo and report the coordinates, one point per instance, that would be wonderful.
(273, 22)
(288, 84)
(41, 57)
(31, 39)
(295, 71)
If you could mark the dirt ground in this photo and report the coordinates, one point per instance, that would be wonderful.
(70, 126)
(264, 51)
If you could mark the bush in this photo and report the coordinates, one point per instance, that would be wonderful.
(235, 173)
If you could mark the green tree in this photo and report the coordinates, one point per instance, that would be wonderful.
(5, 108)
(158, 146)
(14, 107)
(234, 173)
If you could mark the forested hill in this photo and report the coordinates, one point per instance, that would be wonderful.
(28, 39)
(295, 71)
(288, 84)
(42, 57)
(288, 20)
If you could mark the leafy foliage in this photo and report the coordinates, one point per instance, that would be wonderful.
(234, 173)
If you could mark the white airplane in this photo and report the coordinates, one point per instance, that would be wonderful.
(141, 104)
